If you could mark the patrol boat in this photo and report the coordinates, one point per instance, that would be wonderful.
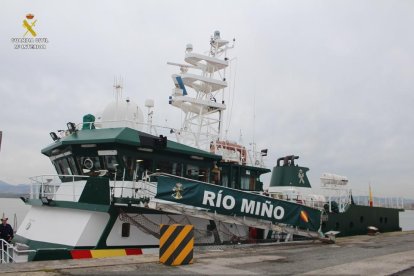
(342, 216)
(119, 178)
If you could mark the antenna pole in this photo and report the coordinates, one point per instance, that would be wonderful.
(201, 96)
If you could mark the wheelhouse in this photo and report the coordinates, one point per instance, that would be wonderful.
(130, 155)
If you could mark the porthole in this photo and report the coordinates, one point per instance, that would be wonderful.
(351, 224)
(361, 219)
(337, 225)
(385, 219)
(380, 219)
(126, 229)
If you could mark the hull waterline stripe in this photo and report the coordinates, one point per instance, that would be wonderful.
(107, 253)
(103, 253)
(81, 254)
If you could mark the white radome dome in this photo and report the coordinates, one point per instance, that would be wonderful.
(124, 113)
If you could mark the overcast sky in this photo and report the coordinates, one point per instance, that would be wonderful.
(331, 81)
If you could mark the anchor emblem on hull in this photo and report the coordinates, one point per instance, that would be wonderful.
(178, 189)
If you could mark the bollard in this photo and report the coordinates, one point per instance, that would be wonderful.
(176, 244)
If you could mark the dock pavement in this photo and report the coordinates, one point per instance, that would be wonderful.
(383, 254)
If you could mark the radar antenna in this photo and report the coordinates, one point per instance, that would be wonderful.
(199, 93)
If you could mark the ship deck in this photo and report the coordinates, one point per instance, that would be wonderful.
(384, 254)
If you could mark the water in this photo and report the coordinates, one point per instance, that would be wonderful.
(11, 206)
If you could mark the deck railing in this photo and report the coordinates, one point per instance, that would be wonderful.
(46, 187)
(50, 187)
(387, 202)
(11, 254)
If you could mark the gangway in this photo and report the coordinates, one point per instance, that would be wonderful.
(245, 221)
(178, 195)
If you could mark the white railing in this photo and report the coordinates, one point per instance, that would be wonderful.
(386, 202)
(47, 187)
(151, 128)
(307, 200)
(141, 189)
(340, 194)
(50, 187)
(11, 254)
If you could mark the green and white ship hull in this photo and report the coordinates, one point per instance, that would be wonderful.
(118, 180)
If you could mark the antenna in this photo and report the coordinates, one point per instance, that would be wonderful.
(118, 86)
(254, 116)
(149, 103)
(199, 92)
(231, 94)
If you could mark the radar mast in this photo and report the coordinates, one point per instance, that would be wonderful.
(199, 93)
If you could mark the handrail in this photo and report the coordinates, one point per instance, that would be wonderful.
(97, 125)
(6, 257)
(48, 184)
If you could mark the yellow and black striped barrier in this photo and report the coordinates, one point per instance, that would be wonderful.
(176, 244)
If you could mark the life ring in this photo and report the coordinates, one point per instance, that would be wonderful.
(88, 164)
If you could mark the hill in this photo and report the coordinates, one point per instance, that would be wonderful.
(8, 190)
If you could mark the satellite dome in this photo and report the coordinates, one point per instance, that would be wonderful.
(123, 113)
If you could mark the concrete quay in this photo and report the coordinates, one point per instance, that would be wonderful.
(384, 254)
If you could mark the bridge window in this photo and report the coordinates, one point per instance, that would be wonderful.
(135, 167)
(110, 162)
(66, 166)
(234, 176)
(89, 164)
(204, 175)
(197, 173)
(62, 166)
(192, 171)
(173, 168)
(73, 166)
(129, 164)
(177, 169)
(164, 166)
(225, 180)
(245, 182)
